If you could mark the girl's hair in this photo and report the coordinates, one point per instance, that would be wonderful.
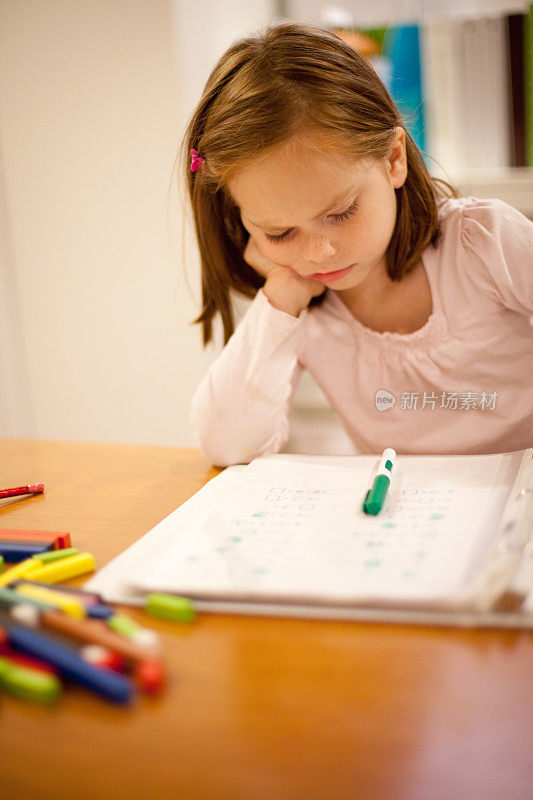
(289, 79)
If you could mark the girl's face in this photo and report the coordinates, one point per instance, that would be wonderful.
(326, 216)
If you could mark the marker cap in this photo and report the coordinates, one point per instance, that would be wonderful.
(170, 606)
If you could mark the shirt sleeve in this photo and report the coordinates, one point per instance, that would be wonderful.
(501, 238)
(240, 409)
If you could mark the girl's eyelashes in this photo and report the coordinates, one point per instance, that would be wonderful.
(345, 214)
(279, 237)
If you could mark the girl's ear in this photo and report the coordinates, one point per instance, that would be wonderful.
(397, 159)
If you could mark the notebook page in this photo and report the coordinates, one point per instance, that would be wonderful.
(112, 580)
(292, 528)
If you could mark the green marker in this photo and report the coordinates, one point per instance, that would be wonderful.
(375, 497)
(28, 683)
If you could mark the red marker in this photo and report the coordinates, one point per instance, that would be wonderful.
(31, 488)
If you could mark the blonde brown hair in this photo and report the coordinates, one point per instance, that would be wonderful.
(263, 90)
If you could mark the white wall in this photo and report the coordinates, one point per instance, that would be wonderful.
(95, 334)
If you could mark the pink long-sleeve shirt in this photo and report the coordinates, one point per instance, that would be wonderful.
(463, 383)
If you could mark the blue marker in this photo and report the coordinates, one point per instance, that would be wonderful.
(104, 682)
(375, 497)
(18, 551)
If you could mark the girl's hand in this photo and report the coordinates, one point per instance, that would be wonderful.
(284, 288)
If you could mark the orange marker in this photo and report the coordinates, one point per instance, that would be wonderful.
(96, 632)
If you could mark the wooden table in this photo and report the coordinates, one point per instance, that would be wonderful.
(258, 707)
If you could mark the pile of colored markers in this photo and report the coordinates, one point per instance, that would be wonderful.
(50, 633)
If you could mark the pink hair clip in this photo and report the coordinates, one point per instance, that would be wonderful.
(196, 161)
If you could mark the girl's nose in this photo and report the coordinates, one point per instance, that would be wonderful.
(318, 249)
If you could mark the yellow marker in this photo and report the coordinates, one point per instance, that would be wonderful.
(63, 569)
(22, 569)
(70, 605)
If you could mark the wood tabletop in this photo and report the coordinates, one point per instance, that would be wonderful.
(258, 707)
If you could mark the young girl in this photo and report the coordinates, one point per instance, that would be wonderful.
(409, 306)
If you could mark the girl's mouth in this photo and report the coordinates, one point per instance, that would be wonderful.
(327, 277)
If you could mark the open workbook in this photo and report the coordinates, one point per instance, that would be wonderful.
(287, 534)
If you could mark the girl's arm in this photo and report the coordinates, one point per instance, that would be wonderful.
(500, 239)
(240, 409)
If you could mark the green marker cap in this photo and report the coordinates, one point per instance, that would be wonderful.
(170, 607)
(124, 625)
(55, 555)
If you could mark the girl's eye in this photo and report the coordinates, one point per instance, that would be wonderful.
(279, 237)
(345, 214)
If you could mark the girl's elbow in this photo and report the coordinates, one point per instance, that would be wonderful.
(221, 453)
(225, 445)
(222, 457)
